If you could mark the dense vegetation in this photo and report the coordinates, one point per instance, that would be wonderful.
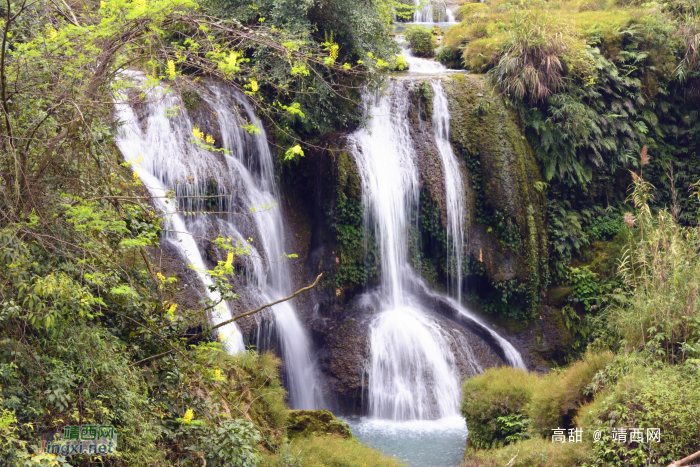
(653, 326)
(594, 85)
(94, 330)
(607, 93)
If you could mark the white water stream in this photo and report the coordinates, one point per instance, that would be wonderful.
(412, 373)
(413, 377)
(160, 150)
(455, 201)
(427, 13)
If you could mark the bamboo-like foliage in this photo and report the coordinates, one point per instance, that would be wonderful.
(661, 267)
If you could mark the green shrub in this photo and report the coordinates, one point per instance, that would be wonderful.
(584, 284)
(529, 453)
(494, 405)
(480, 55)
(606, 227)
(422, 40)
(323, 451)
(469, 10)
(650, 397)
(232, 443)
(449, 57)
(559, 394)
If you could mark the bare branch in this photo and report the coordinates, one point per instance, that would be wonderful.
(257, 310)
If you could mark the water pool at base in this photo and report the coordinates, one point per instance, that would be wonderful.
(418, 443)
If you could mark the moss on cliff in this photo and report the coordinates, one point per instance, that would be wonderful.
(505, 177)
(356, 249)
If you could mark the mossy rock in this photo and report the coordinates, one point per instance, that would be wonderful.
(556, 296)
(304, 423)
(191, 99)
(505, 177)
(348, 181)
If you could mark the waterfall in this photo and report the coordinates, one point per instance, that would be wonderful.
(155, 138)
(426, 14)
(412, 369)
(455, 202)
(412, 372)
(417, 65)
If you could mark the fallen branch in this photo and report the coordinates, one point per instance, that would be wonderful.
(257, 310)
(684, 460)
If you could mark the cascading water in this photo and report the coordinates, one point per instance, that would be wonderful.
(413, 383)
(158, 145)
(412, 371)
(455, 202)
(428, 12)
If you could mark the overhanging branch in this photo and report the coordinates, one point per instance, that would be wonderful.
(257, 310)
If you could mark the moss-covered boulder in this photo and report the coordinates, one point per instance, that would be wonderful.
(557, 296)
(508, 192)
(303, 423)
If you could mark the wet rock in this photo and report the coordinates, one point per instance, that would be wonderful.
(501, 263)
(506, 183)
(546, 339)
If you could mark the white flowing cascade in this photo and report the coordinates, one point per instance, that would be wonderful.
(412, 368)
(426, 13)
(412, 372)
(455, 201)
(422, 66)
(241, 179)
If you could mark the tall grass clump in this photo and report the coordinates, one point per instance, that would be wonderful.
(494, 404)
(661, 266)
(537, 57)
(529, 453)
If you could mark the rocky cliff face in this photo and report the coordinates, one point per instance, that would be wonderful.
(326, 193)
(322, 204)
(507, 220)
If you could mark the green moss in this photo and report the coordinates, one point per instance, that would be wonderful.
(304, 423)
(422, 108)
(347, 179)
(558, 395)
(428, 242)
(191, 99)
(557, 296)
(504, 176)
(358, 256)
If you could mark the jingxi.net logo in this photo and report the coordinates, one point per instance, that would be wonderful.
(94, 440)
